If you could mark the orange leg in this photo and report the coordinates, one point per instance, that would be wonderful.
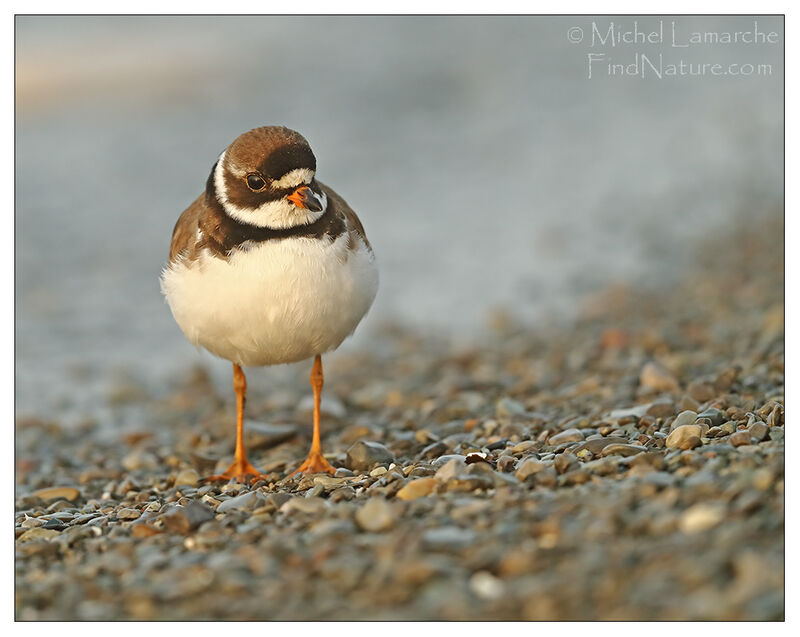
(240, 469)
(316, 463)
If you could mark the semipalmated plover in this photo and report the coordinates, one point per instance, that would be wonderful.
(269, 266)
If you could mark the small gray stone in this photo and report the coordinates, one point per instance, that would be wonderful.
(443, 460)
(759, 430)
(686, 417)
(55, 524)
(246, 502)
(187, 518)
(716, 416)
(364, 455)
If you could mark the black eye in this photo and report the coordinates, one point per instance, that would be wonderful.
(255, 182)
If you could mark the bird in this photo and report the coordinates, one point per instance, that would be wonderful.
(269, 266)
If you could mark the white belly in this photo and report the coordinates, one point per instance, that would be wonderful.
(278, 302)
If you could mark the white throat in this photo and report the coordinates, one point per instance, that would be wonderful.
(279, 214)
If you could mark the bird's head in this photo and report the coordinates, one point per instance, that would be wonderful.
(265, 178)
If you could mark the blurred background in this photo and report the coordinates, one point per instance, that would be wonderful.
(491, 173)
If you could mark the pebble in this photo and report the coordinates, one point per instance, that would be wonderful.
(524, 446)
(681, 434)
(364, 455)
(716, 416)
(32, 523)
(449, 469)
(701, 517)
(57, 493)
(187, 477)
(622, 450)
(506, 464)
(376, 516)
(128, 514)
(309, 506)
(568, 435)
(661, 408)
(740, 438)
(603, 466)
(35, 535)
(245, 502)
(654, 377)
(452, 457)
(187, 518)
(691, 442)
(686, 417)
(701, 391)
(417, 489)
(528, 468)
(758, 430)
(596, 445)
(565, 462)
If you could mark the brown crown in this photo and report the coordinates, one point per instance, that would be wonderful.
(271, 150)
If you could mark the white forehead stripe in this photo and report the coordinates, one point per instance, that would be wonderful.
(294, 178)
(281, 213)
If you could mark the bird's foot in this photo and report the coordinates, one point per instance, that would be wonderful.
(315, 463)
(241, 471)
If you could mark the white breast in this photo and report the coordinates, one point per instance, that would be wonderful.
(276, 302)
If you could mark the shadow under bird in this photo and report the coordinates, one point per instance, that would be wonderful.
(269, 266)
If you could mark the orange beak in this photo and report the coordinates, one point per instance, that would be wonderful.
(305, 198)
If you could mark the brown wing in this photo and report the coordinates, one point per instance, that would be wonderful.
(184, 236)
(354, 227)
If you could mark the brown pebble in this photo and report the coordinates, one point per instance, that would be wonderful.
(701, 391)
(654, 377)
(691, 442)
(417, 489)
(56, 493)
(565, 462)
(740, 438)
(622, 450)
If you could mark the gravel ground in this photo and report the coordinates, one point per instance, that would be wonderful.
(627, 466)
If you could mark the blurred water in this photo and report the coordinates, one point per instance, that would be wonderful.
(488, 169)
